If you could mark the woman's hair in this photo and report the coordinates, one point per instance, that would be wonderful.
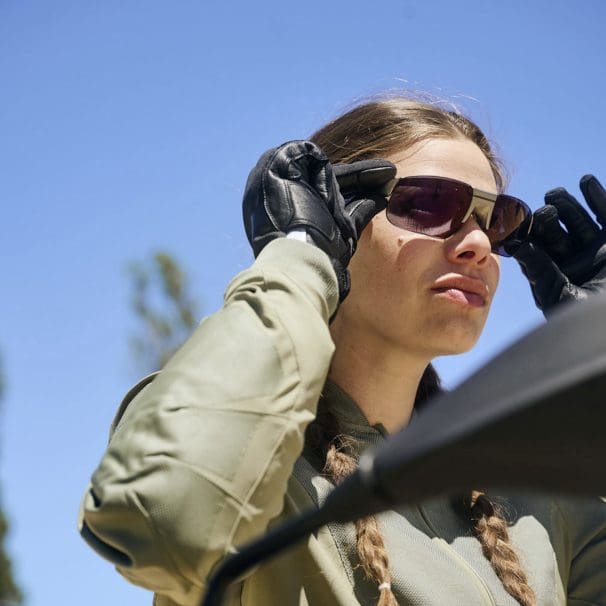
(377, 129)
(381, 128)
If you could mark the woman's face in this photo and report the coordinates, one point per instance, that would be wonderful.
(416, 292)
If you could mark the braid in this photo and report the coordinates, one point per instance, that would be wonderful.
(337, 449)
(334, 453)
(490, 527)
(373, 557)
(369, 541)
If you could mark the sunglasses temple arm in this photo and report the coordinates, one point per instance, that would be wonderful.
(481, 208)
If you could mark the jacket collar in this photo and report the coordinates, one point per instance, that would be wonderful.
(350, 417)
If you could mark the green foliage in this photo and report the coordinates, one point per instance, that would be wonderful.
(9, 592)
(165, 310)
(10, 595)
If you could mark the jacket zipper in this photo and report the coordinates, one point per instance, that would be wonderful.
(474, 576)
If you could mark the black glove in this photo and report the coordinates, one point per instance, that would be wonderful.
(364, 186)
(294, 187)
(564, 265)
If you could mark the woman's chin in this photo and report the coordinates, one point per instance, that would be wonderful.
(456, 349)
(456, 338)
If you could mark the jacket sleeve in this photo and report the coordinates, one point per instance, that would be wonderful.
(200, 459)
(584, 520)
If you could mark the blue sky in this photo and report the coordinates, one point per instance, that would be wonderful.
(131, 126)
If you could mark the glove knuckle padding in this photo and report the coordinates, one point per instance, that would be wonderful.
(290, 187)
(298, 201)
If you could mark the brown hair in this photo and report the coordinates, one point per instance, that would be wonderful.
(372, 130)
(383, 127)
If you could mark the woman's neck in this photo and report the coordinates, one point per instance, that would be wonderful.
(383, 380)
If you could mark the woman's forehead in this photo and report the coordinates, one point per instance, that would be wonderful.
(453, 158)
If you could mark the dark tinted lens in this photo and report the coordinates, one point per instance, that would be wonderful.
(510, 220)
(429, 205)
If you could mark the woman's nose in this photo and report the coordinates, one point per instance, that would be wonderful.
(469, 245)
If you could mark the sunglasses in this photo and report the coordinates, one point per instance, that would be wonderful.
(438, 207)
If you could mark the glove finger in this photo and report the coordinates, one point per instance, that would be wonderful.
(362, 210)
(336, 204)
(549, 235)
(365, 175)
(595, 196)
(364, 185)
(546, 280)
(537, 264)
(581, 228)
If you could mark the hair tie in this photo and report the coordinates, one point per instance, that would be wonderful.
(383, 586)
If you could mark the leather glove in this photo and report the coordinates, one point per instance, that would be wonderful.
(564, 265)
(294, 187)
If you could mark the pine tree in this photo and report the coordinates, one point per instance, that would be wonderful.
(164, 308)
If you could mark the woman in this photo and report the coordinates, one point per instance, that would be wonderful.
(212, 451)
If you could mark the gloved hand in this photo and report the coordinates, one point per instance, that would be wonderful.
(566, 265)
(293, 187)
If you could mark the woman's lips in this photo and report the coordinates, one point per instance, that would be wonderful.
(462, 289)
(461, 296)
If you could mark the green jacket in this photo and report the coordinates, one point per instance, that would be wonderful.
(208, 454)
